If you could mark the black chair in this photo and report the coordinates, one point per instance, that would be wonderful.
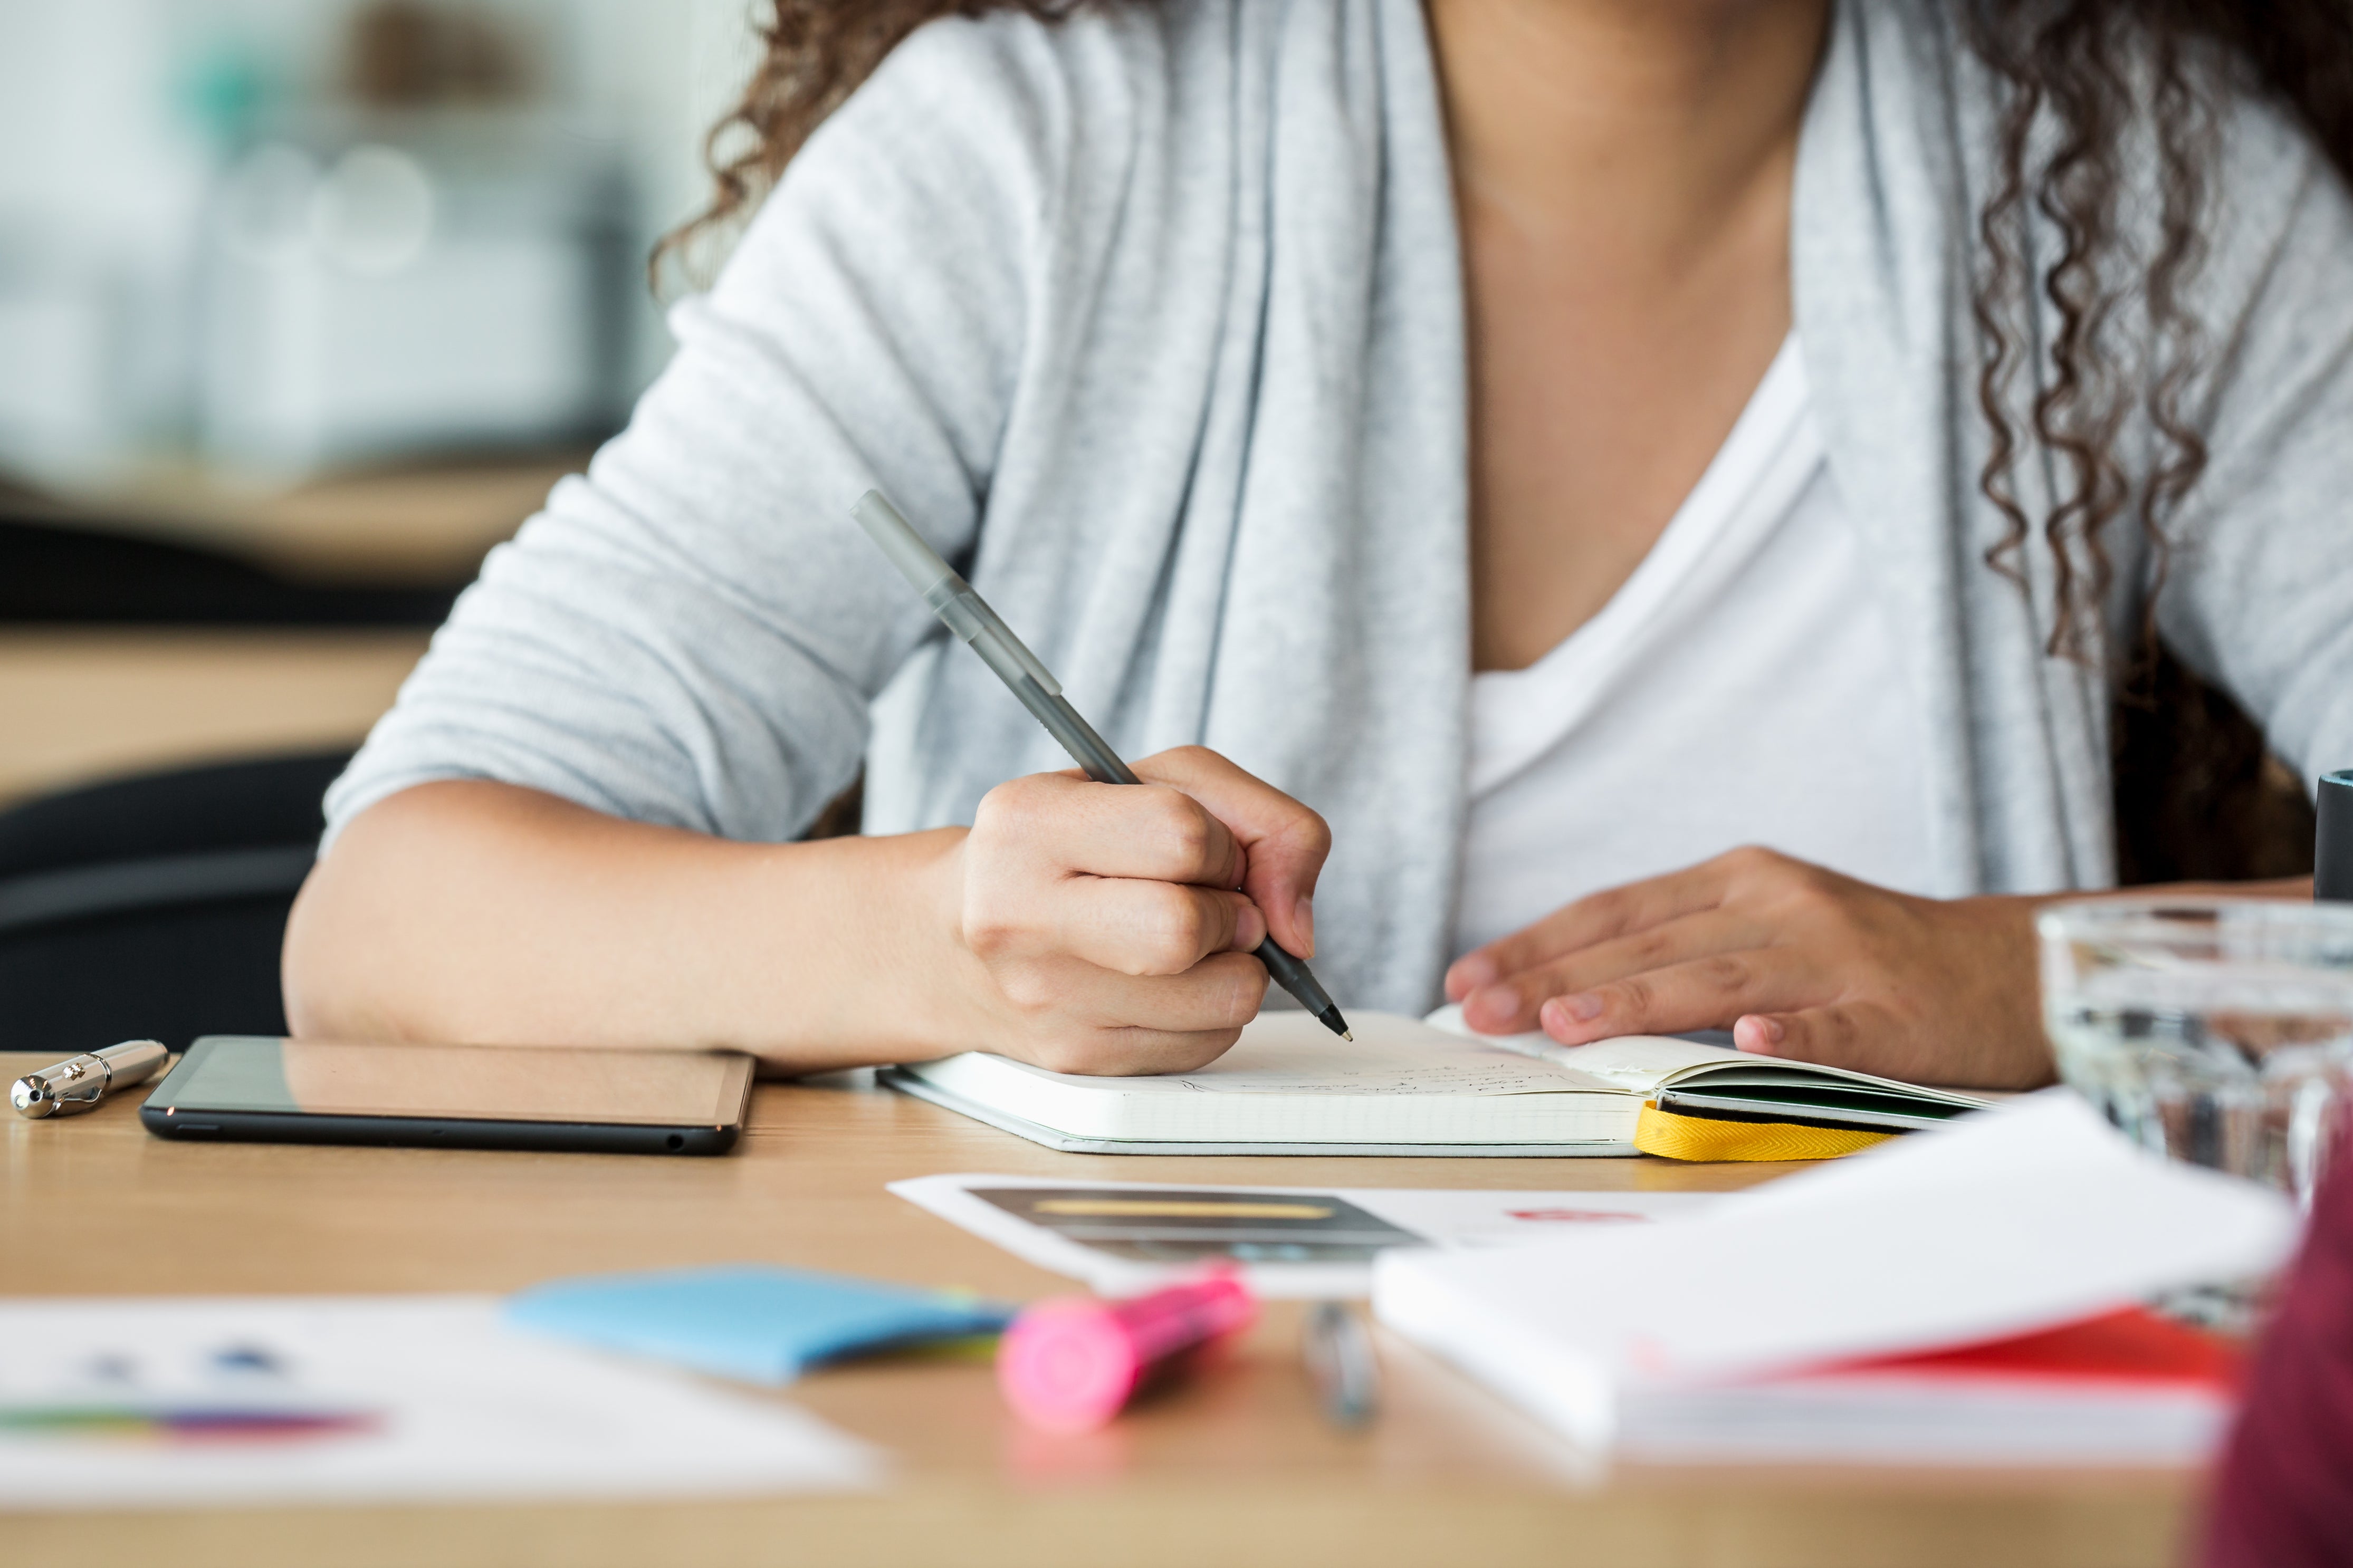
(154, 906)
(84, 573)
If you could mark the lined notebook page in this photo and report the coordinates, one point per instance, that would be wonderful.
(1291, 1053)
(1290, 1080)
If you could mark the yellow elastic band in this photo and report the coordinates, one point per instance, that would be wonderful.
(1675, 1137)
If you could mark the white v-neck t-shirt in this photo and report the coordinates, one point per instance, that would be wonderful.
(1741, 687)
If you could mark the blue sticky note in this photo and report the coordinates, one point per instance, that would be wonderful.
(753, 1322)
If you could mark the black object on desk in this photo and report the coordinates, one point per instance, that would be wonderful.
(231, 1088)
(2332, 855)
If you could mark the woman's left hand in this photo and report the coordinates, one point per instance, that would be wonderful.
(1797, 961)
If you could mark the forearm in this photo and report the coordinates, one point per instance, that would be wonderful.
(480, 912)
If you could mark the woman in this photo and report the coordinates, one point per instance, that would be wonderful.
(1557, 441)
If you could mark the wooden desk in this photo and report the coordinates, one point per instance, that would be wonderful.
(427, 523)
(1232, 1468)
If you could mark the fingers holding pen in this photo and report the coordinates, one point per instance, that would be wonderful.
(1140, 928)
(1284, 843)
(1083, 1019)
(1139, 881)
(1113, 923)
(1153, 832)
(1128, 881)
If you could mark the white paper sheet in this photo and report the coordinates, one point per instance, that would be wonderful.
(1640, 1063)
(2016, 1219)
(419, 1398)
(1291, 1053)
(1437, 1217)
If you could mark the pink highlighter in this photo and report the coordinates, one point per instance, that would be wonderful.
(1072, 1363)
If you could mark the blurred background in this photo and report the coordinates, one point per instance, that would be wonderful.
(303, 305)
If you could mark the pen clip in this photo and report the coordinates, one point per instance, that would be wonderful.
(80, 1082)
(75, 1085)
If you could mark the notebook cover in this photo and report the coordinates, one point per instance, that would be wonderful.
(2133, 1347)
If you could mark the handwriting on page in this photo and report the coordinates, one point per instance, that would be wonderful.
(1451, 1077)
(1452, 1074)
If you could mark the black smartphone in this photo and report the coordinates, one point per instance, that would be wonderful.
(252, 1088)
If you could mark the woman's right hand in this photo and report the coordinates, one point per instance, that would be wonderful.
(1108, 928)
(1084, 927)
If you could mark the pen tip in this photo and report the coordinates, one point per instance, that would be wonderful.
(1348, 1035)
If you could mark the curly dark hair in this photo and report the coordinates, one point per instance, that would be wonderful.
(2090, 70)
(2081, 78)
(815, 54)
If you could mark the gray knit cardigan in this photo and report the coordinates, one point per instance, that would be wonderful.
(1153, 321)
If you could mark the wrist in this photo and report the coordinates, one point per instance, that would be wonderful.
(943, 984)
(851, 952)
(2017, 1052)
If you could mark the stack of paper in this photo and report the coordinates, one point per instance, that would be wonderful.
(2012, 1222)
(2129, 1388)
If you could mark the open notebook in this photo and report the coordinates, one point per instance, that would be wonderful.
(1408, 1087)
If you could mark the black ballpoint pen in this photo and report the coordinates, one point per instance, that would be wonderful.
(970, 618)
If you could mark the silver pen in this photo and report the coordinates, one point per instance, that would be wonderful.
(968, 616)
(79, 1083)
(1341, 1363)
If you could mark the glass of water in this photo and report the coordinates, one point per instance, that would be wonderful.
(2218, 1031)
